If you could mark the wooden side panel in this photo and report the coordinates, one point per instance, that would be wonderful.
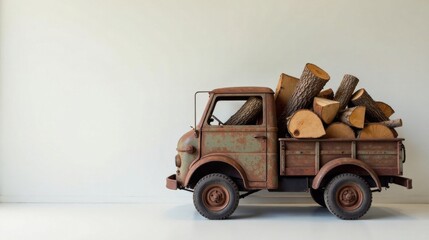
(299, 158)
(306, 157)
(381, 156)
(334, 149)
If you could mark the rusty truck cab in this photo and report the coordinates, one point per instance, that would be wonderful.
(245, 153)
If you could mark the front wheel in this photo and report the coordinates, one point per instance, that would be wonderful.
(216, 196)
(348, 196)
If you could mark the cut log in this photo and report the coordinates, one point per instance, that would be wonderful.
(339, 130)
(310, 84)
(345, 90)
(392, 123)
(375, 130)
(354, 117)
(248, 113)
(326, 109)
(305, 124)
(312, 81)
(373, 113)
(385, 108)
(327, 93)
(284, 90)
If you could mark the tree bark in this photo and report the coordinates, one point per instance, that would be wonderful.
(327, 93)
(339, 130)
(385, 108)
(326, 109)
(354, 117)
(305, 124)
(284, 90)
(376, 130)
(392, 123)
(248, 113)
(373, 113)
(345, 90)
(312, 81)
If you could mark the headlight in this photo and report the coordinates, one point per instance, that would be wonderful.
(178, 161)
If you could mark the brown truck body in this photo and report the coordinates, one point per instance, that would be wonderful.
(217, 161)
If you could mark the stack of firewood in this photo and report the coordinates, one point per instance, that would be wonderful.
(304, 110)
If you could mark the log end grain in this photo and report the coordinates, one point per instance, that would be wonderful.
(358, 94)
(317, 71)
(385, 108)
(376, 130)
(354, 117)
(305, 124)
(339, 130)
(357, 117)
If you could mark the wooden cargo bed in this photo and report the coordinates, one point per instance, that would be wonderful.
(305, 157)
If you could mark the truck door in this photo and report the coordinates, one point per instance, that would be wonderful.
(245, 143)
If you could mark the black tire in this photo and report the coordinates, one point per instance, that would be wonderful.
(318, 196)
(216, 196)
(348, 196)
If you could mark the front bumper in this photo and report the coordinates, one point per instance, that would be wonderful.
(171, 182)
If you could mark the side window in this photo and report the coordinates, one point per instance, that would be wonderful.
(237, 111)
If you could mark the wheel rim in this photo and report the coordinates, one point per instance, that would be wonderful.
(215, 197)
(349, 197)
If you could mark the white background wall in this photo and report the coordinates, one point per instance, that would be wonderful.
(94, 94)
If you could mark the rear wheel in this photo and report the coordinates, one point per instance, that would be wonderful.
(216, 196)
(348, 196)
(318, 196)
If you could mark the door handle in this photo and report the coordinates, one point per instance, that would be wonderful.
(260, 137)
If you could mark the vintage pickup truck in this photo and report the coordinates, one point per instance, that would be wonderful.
(216, 161)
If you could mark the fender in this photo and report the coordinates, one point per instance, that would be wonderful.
(216, 158)
(340, 162)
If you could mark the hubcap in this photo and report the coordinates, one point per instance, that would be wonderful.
(350, 197)
(215, 197)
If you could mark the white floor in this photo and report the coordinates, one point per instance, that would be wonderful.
(154, 221)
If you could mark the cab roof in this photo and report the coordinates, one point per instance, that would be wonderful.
(242, 90)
